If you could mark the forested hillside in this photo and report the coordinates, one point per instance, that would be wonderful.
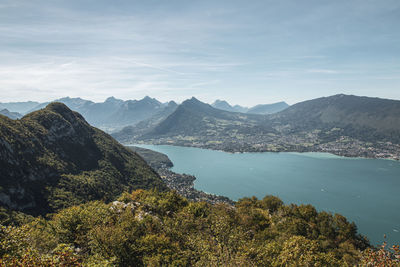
(146, 228)
(52, 158)
(365, 118)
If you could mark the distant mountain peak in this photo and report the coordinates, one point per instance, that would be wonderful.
(9, 114)
(71, 98)
(112, 99)
(221, 104)
(195, 103)
(220, 101)
(192, 100)
(148, 99)
(172, 103)
(268, 108)
(224, 105)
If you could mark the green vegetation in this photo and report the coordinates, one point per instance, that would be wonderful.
(52, 159)
(155, 159)
(153, 229)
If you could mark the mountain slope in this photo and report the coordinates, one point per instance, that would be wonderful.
(360, 117)
(268, 108)
(53, 158)
(77, 104)
(129, 133)
(20, 107)
(194, 122)
(259, 109)
(222, 104)
(342, 124)
(11, 115)
(112, 114)
(133, 111)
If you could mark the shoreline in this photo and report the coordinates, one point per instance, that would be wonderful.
(183, 184)
(339, 154)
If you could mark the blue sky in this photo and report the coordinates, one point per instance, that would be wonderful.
(246, 52)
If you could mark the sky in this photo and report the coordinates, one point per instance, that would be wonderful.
(245, 52)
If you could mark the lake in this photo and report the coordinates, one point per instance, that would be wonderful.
(366, 191)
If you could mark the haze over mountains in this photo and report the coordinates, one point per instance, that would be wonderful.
(114, 114)
(268, 108)
(11, 115)
(20, 107)
(258, 109)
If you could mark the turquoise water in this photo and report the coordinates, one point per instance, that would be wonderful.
(366, 191)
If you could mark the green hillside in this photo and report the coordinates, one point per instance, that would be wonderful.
(52, 158)
(195, 121)
(366, 118)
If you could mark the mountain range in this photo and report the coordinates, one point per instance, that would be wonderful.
(20, 107)
(11, 115)
(193, 121)
(268, 108)
(194, 117)
(258, 109)
(336, 124)
(114, 114)
(344, 111)
(341, 124)
(52, 158)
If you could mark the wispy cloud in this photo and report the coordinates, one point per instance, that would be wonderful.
(219, 49)
(323, 71)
